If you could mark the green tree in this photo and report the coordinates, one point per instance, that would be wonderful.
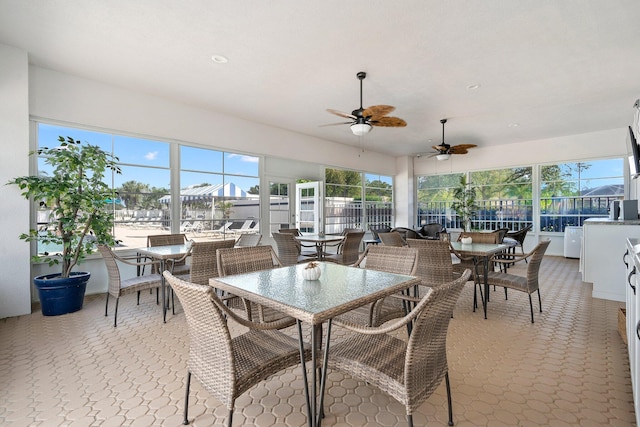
(465, 202)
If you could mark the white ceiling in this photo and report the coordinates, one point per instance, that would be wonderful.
(553, 67)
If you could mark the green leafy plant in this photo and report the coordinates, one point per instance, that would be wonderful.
(465, 204)
(77, 199)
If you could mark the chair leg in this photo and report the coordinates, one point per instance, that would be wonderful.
(506, 297)
(449, 403)
(230, 419)
(106, 306)
(539, 301)
(138, 298)
(410, 420)
(115, 314)
(531, 307)
(186, 400)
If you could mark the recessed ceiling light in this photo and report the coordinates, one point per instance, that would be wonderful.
(513, 125)
(219, 59)
(474, 86)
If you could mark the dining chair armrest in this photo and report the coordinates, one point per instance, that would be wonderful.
(126, 259)
(509, 259)
(459, 255)
(262, 326)
(386, 328)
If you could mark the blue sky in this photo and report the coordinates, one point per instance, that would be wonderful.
(154, 156)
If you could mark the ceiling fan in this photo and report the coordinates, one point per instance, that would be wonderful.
(363, 119)
(444, 150)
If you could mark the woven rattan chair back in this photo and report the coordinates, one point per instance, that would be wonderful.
(241, 260)
(408, 371)
(204, 262)
(435, 266)
(432, 230)
(246, 260)
(392, 238)
(249, 239)
(117, 286)
(480, 237)
(288, 248)
(227, 367)
(502, 232)
(350, 249)
(390, 259)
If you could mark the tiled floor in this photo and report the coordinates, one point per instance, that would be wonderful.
(569, 368)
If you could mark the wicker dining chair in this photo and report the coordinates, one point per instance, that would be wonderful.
(389, 259)
(392, 238)
(204, 261)
(435, 266)
(408, 371)
(431, 231)
(349, 251)
(516, 238)
(241, 260)
(249, 239)
(118, 287)
(228, 367)
(528, 284)
(289, 249)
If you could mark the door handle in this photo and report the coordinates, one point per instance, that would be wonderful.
(633, 272)
(624, 258)
(638, 330)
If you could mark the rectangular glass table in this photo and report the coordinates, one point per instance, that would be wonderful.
(338, 290)
(163, 253)
(482, 251)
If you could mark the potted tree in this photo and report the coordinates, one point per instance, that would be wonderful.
(465, 204)
(76, 199)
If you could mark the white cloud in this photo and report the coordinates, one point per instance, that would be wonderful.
(152, 155)
(243, 158)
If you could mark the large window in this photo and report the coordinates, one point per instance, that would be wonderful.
(573, 192)
(219, 193)
(504, 198)
(435, 194)
(357, 200)
(569, 194)
(218, 190)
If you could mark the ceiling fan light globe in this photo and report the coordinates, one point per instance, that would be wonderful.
(442, 157)
(360, 129)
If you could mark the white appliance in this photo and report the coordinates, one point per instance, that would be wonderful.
(572, 241)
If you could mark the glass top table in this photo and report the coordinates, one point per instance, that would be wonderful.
(338, 290)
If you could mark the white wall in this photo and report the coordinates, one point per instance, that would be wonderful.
(15, 296)
(66, 98)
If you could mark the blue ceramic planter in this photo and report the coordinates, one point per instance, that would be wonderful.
(61, 296)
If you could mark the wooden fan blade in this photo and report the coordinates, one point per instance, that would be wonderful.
(336, 124)
(341, 114)
(377, 111)
(461, 149)
(441, 147)
(391, 122)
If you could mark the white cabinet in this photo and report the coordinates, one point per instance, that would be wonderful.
(633, 317)
(604, 243)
